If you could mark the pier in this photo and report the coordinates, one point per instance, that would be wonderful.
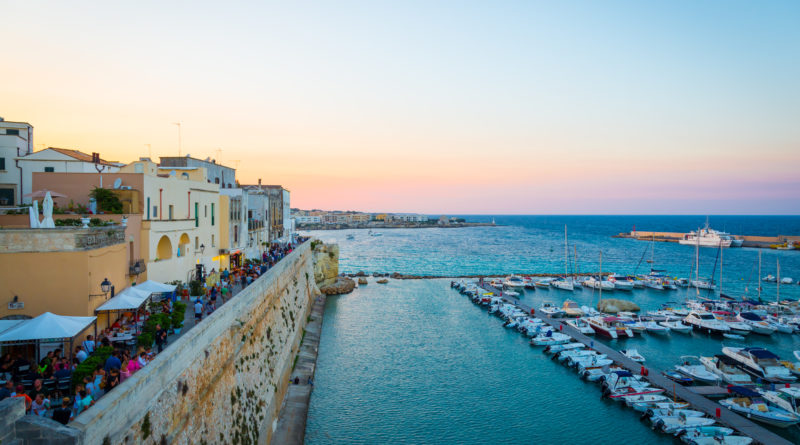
(758, 433)
(765, 242)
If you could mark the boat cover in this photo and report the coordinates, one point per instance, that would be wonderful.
(747, 392)
(750, 316)
(761, 353)
(623, 373)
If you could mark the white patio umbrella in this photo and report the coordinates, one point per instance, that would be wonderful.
(47, 212)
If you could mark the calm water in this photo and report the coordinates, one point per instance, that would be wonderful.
(415, 362)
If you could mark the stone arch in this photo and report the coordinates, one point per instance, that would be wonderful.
(164, 249)
(183, 244)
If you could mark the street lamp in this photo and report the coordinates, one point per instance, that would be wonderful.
(202, 248)
(105, 285)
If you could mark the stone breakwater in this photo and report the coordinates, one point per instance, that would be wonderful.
(221, 382)
(400, 276)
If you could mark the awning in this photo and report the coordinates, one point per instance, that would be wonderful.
(130, 298)
(47, 326)
(155, 287)
(8, 324)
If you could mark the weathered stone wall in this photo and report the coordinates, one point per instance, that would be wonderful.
(60, 239)
(221, 382)
(326, 263)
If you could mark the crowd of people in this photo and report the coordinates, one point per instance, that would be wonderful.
(48, 388)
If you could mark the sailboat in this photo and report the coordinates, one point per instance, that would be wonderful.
(566, 283)
(697, 282)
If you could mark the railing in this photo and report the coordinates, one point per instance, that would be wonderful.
(137, 267)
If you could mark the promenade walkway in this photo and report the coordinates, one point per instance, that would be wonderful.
(745, 426)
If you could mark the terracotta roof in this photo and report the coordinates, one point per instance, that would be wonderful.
(79, 155)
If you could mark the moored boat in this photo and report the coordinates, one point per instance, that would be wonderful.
(752, 405)
(760, 363)
(611, 327)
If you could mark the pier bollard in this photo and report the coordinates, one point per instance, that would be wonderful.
(719, 413)
(788, 385)
(642, 371)
(560, 327)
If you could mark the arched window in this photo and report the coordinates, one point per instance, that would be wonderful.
(164, 250)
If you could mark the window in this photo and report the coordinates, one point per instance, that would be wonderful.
(148, 208)
(6, 196)
(49, 169)
(212, 241)
(196, 215)
(205, 211)
(196, 243)
(2, 163)
(171, 207)
(212, 213)
(13, 132)
(155, 212)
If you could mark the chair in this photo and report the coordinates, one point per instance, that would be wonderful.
(49, 385)
(27, 384)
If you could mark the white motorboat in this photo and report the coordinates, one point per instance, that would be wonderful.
(760, 363)
(595, 283)
(577, 352)
(703, 284)
(726, 369)
(769, 279)
(590, 312)
(563, 284)
(633, 354)
(737, 326)
(571, 309)
(655, 413)
(649, 399)
(677, 423)
(543, 283)
(642, 407)
(783, 328)
(656, 328)
(733, 336)
(552, 311)
(752, 405)
(676, 326)
(716, 440)
(705, 431)
(555, 349)
(708, 237)
(706, 322)
(581, 325)
(787, 399)
(653, 283)
(787, 280)
(692, 367)
(514, 282)
(585, 363)
(757, 324)
(510, 293)
(611, 327)
(550, 338)
(621, 282)
(622, 384)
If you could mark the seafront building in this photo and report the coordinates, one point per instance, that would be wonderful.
(16, 139)
(60, 160)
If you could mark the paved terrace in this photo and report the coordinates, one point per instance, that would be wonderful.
(745, 426)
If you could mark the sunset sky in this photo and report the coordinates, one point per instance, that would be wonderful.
(431, 106)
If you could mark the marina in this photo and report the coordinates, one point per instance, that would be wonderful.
(695, 399)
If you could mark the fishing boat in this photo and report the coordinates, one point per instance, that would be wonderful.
(751, 404)
(514, 282)
(692, 367)
(581, 325)
(726, 369)
(676, 326)
(633, 354)
(706, 322)
(677, 423)
(551, 310)
(611, 327)
(571, 309)
(760, 363)
(757, 324)
(655, 328)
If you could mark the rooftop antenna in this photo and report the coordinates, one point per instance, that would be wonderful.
(149, 151)
(179, 136)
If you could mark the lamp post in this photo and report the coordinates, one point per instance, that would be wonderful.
(106, 287)
(202, 248)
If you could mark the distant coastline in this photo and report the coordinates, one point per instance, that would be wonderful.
(375, 226)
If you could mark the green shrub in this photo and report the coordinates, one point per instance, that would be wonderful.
(145, 339)
(107, 200)
(177, 319)
(87, 367)
(196, 288)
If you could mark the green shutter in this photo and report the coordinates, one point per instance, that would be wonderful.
(212, 213)
(148, 208)
(196, 215)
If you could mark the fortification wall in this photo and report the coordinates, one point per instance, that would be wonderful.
(224, 380)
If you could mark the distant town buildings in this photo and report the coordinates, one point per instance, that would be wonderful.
(305, 218)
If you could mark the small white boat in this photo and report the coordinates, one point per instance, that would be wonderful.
(726, 369)
(769, 278)
(571, 309)
(717, 440)
(611, 327)
(510, 293)
(543, 283)
(550, 338)
(678, 423)
(703, 284)
(555, 349)
(705, 431)
(590, 312)
(676, 326)
(750, 404)
(655, 413)
(787, 280)
(642, 407)
(581, 325)
(645, 399)
(756, 323)
(622, 385)
(655, 328)
(692, 367)
(563, 284)
(552, 311)
(733, 336)
(633, 354)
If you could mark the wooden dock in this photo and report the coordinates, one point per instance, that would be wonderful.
(758, 433)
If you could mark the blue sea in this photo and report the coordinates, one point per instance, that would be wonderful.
(413, 361)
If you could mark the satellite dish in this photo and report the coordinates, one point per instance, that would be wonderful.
(117, 183)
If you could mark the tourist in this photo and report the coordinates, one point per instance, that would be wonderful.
(112, 361)
(37, 388)
(88, 344)
(40, 405)
(198, 310)
(7, 389)
(82, 400)
(65, 372)
(21, 393)
(6, 366)
(113, 379)
(124, 372)
(142, 360)
(63, 414)
(97, 382)
(161, 337)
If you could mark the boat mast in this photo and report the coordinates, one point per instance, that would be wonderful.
(697, 262)
(566, 254)
(778, 296)
(601, 276)
(652, 252)
(721, 249)
(577, 271)
(759, 275)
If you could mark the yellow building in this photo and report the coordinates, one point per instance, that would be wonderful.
(60, 270)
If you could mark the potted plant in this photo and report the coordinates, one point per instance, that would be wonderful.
(177, 321)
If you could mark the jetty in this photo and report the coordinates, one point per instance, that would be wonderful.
(765, 242)
(758, 433)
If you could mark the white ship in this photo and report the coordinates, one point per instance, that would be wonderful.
(708, 237)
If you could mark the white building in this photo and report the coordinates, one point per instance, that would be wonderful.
(16, 140)
(308, 219)
(60, 160)
(237, 224)
(258, 218)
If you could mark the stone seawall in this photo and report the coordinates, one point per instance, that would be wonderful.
(221, 382)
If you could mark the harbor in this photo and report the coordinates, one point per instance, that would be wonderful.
(712, 409)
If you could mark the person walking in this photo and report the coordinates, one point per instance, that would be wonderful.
(198, 310)
(161, 337)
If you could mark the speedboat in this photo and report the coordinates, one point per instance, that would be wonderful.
(656, 328)
(706, 322)
(737, 326)
(550, 338)
(784, 328)
(496, 283)
(642, 407)
(752, 405)
(647, 398)
(676, 326)
(769, 279)
(692, 367)
(581, 325)
(595, 283)
(515, 282)
(785, 398)
(677, 423)
(678, 378)
(571, 309)
(611, 327)
(694, 438)
(590, 312)
(726, 369)
(543, 283)
(653, 283)
(564, 356)
(714, 432)
(703, 284)
(760, 363)
(547, 308)
(756, 323)
(622, 384)
(621, 283)
(633, 354)
(787, 280)
(511, 293)
(555, 349)
(655, 413)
